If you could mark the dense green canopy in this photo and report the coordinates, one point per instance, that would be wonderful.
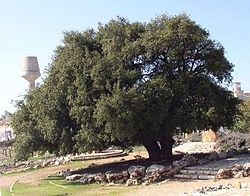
(127, 83)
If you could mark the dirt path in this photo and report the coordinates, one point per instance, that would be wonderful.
(32, 177)
(36, 176)
(179, 187)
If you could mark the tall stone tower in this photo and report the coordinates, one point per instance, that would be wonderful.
(238, 92)
(30, 71)
(237, 89)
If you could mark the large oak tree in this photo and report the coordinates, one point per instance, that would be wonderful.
(127, 83)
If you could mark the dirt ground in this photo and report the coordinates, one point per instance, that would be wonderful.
(169, 187)
(179, 187)
(35, 176)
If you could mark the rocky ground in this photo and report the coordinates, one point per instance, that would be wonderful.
(228, 165)
(159, 174)
(195, 147)
(189, 188)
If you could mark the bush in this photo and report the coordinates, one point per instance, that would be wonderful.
(239, 142)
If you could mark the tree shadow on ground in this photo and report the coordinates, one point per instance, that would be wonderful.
(125, 164)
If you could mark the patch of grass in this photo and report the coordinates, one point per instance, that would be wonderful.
(55, 185)
(4, 191)
(55, 177)
(72, 164)
(46, 188)
(22, 172)
(139, 149)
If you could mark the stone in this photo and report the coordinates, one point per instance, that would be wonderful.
(156, 169)
(225, 174)
(56, 163)
(131, 182)
(120, 181)
(125, 174)
(187, 160)
(83, 180)
(74, 177)
(37, 166)
(236, 171)
(116, 177)
(65, 173)
(46, 163)
(239, 174)
(100, 178)
(237, 167)
(19, 164)
(60, 159)
(156, 173)
(177, 164)
(136, 172)
(87, 179)
(206, 189)
(91, 178)
(246, 167)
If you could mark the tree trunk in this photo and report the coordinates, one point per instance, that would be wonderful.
(166, 147)
(153, 149)
(160, 150)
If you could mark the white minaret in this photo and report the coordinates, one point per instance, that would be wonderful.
(30, 71)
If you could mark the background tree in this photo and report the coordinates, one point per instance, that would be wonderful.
(28, 137)
(243, 120)
(42, 123)
(132, 83)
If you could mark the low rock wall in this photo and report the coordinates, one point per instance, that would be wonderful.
(134, 175)
(27, 165)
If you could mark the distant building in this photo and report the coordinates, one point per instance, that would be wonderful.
(240, 93)
(6, 132)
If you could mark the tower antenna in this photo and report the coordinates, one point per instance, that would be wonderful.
(237, 77)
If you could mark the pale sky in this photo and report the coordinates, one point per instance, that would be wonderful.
(35, 27)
